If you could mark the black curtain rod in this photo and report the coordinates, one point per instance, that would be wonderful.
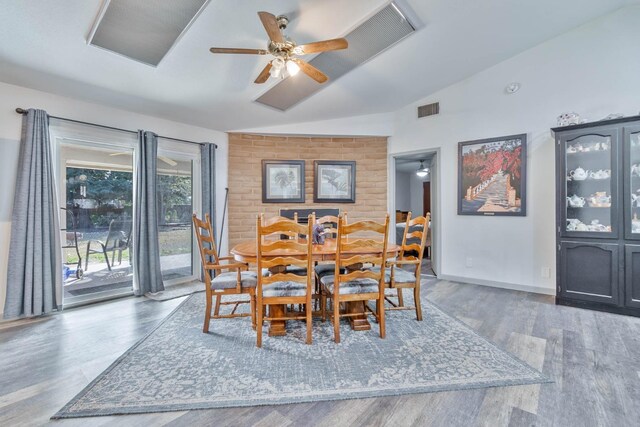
(23, 111)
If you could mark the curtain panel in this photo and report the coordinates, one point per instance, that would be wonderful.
(208, 167)
(147, 273)
(34, 273)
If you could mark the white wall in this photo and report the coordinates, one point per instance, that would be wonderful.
(403, 191)
(592, 70)
(10, 128)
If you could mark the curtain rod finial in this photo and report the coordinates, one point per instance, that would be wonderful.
(21, 110)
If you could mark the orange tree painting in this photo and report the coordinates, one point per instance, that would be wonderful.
(492, 176)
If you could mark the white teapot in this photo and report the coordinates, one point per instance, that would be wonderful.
(575, 201)
(579, 174)
(601, 174)
(572, 224)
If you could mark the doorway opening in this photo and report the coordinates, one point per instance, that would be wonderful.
(414, 190)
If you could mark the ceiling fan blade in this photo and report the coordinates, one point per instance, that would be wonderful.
(271, 26)
(322, 46)
(264, 74)
(238, 50)
(311, 71)
(168, 161)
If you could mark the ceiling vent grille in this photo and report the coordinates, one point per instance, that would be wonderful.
(144, 31)
(376, 34)
(429, 110)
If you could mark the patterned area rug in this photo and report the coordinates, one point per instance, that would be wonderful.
(177, 367)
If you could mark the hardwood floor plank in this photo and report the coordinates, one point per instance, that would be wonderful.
(519, 418)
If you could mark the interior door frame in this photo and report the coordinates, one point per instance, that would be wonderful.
(436, 176)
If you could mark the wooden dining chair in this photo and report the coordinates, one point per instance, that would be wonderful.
(238, 280)
(283, 287)
(330, 224)
(351, 282)
(286, 235)
(411, 253)
(272, 219)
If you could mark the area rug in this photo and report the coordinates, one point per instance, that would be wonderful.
(177, 367)
(177, 291)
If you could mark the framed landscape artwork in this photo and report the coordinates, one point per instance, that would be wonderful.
(492, 176)
(283, 181)
(334, 181)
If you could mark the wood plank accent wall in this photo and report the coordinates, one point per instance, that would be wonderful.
(246, 152)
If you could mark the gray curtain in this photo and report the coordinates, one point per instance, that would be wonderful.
(208, 166)
(34, 274)
(146, 261)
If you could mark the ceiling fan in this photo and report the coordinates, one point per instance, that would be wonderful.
(286, 51)
(167, 160)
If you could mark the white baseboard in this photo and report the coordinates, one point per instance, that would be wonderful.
(502, 285)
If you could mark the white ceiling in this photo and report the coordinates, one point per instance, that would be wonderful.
(44, 47)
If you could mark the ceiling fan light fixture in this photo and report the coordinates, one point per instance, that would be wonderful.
(275, 72)
(277, 68)
(422, 170)
(292, 68)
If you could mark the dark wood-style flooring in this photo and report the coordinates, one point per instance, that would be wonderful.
(593, 357)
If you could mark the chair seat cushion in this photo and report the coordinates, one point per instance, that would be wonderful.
(296, 269)
(327, 269)
(229, 280)
(358, 286)
(399, 275)
(284, 289)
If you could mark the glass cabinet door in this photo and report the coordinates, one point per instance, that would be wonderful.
(632, 182)
(590, 171)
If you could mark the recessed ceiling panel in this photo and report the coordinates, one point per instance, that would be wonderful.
(381, 31)
(144, 30)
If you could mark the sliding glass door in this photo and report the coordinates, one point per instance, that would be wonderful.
(95, 180)
(96, 184)
(179, 190)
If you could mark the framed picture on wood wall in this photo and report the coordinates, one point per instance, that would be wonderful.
(334, 181)
(283, 181)
(492, 176)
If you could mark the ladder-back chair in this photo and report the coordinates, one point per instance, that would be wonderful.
(330, 224)
(237, 281)
(411, 253)
(282, 287)
(351, 282)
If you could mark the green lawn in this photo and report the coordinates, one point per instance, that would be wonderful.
(173, 241)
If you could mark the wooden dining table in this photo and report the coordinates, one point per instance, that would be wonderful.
(246, 252)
